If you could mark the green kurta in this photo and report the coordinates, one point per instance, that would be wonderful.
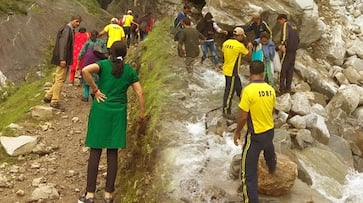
(108, 120)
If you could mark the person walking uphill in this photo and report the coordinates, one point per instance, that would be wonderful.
(62, 58)
(256, 109)
(108, 116)
(289, 43)
(190, 38)
(233, 50)
(126, 22)
(88, 56)
(79, 39)
(208, 28)
(114, 32)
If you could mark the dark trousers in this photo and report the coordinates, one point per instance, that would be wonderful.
(253, 145)
(287, 70)
(92, 170)
(233, 85)
(127, 31)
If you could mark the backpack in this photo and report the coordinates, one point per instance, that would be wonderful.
(257, 53)
(121, 21)
(99, 51)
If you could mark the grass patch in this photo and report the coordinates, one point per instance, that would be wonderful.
(136, 167)
(16, 6)
(27, 94)
(92, 6)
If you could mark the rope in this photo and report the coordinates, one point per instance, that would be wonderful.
(206, 118)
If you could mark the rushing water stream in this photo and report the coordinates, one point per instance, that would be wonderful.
(196, 162)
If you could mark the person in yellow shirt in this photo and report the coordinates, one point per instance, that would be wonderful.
(233, 50)
(127, 21)
(256, 109)
(114, 32)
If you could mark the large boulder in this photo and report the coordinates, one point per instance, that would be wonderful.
(281, 181)
(276, 184)
(347, 99)
(315, 74)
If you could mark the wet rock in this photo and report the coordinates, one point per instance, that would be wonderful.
(342, 147)
(304, 138)
(215, 193)
(235, 167)
(281, 181)
(190, 185)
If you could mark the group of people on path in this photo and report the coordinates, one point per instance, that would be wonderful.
(109, 79)
(257, 99)
(106, 74)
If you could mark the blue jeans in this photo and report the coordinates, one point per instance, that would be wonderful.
(210, 45)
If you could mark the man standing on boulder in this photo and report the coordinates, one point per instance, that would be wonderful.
(62, 58)
(256, 109)
(288, 46)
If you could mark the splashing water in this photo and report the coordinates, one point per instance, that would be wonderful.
(352, 189)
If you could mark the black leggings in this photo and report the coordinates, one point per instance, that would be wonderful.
(92, 170)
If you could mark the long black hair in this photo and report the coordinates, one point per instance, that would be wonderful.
(94, 34)
(118, 52)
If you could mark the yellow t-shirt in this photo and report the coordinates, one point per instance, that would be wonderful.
(127, 20)
(258, 98)
(232, 51)
(115, 33)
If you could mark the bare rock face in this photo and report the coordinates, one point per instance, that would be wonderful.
(281, 181)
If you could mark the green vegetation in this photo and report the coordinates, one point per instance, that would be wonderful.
(92, 6)
(15, 6)
(14, 108)
(143, 140)
(25, 95)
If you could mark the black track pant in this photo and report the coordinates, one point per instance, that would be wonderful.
(287, 70)
(254, 144)
(92, 170)
(233, 85)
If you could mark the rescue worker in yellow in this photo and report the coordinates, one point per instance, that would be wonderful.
(233, 50)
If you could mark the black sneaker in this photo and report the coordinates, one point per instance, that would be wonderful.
(84, 199)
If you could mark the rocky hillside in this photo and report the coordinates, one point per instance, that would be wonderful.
(324, 113)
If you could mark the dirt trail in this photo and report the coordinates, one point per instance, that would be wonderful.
(65, 166)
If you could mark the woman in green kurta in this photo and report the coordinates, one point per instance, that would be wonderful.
(108, 115)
